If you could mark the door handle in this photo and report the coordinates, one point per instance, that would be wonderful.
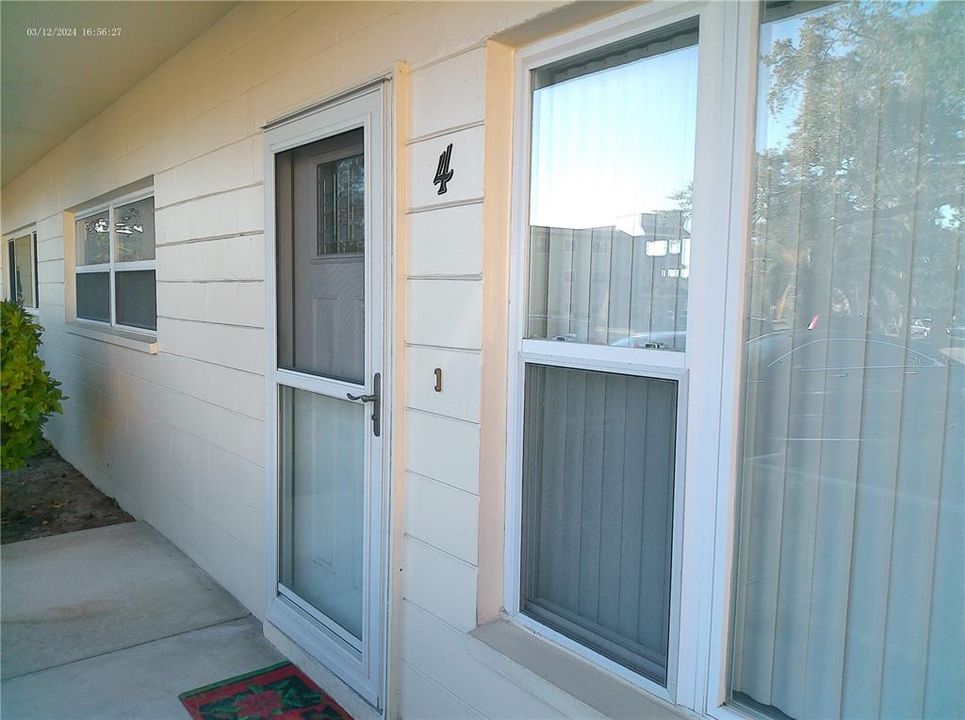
(376, 399)
(363, 398)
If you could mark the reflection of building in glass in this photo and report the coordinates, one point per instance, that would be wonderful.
(607, 286)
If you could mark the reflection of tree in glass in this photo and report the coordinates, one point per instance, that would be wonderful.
(96, 247)
(129, 225)
(858, 214)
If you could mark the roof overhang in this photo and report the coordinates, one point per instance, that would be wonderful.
(62, 63)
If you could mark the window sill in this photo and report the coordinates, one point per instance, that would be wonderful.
(114, 336)
(593, 686)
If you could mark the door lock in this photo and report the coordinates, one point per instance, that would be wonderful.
(376, 399)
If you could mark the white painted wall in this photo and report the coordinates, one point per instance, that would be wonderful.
(178, 437)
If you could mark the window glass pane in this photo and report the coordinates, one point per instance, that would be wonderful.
(341, 187)
(94, 296)
(598, 477)
(850, 585)
(321, 258)
(134, 231)
(92, 235)
(135, 299)
(22, 288)
(612, 174)
(323, 441)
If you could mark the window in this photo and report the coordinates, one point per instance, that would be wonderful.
(115, 263)
(849, 588)
(612, 176)
(737, 372)
(601, 389)
(22, 270)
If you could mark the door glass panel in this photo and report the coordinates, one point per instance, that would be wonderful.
(612, 174)
(321, 257)
(341, 188)
(598, 478)
(850, 586)
(323, 444)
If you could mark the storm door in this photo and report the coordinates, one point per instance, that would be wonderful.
(327, 389)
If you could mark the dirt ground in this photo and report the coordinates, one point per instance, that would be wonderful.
(48, 497)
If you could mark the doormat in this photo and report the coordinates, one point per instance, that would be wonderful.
(281, 692)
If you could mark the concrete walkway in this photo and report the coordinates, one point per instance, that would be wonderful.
(115, 623)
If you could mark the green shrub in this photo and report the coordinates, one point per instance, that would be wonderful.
(30, 395)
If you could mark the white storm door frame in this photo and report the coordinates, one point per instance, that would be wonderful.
(361, 665)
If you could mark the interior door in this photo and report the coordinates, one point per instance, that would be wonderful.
(327, 588)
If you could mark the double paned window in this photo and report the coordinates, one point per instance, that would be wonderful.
(22, 270)
(115, 264)
(607, 268)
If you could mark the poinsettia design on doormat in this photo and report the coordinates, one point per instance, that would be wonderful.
(279, 692)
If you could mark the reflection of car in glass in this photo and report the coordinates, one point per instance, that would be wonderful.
(808, 387)
(665, 340)
(920, 327)
(956, 333)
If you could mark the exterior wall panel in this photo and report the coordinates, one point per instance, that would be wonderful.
(178, 436)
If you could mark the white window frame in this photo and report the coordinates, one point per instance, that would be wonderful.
(30, 230)
(113, 265)
(720, 516)
(709, 371)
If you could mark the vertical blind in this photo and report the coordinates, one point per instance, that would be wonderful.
(598, 477)
(850, 597)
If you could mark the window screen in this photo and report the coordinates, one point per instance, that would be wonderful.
(135, 299)
(598, 479)
(94, 296)
(320, 233)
